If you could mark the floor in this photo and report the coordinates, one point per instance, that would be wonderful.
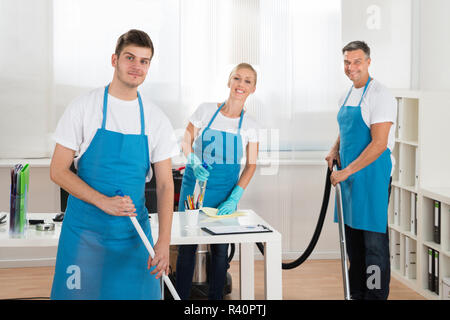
(313, 280)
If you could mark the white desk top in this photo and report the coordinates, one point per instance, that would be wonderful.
(31, 237)
(181, 234)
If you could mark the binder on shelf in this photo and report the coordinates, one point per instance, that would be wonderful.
(415, 206)
(396, 206)
(412, 262)
(406, 257)
(391, 245)
(395, 249)
(437, 222)
(430, 270)
(410, 259)
(414, 213)
(436, 272)
(417, 170)
(400, 118)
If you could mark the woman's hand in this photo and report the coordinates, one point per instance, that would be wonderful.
(200, 172)
(118, 206)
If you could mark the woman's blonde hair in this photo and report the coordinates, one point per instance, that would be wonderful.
(243, 65)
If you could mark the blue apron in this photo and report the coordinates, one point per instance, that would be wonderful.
(101, 256)
(364, 193)
(223, 151)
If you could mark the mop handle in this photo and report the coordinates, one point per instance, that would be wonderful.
(151, 252)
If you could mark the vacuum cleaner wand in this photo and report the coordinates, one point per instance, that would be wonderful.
(343, 247)
(317, 231)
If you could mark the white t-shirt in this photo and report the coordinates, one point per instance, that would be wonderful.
(378, 105)
(202, 116)
(84, 115)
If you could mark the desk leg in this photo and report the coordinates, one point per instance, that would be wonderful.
(272, 270)
(247, 271)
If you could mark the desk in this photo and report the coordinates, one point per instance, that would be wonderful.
(272, 248)
(181, 234)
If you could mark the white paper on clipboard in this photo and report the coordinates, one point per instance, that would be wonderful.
(220, 230)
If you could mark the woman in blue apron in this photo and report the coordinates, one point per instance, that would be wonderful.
(222, 148)
(101, 256)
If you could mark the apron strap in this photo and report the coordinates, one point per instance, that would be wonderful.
(240, 122)
(364, 92)
(105, 103)
(105, 106)
(141, 110)
(217, 112)
(350, 91)
(214, 116)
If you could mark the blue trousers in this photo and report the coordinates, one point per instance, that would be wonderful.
(216, 274)
(370, 267)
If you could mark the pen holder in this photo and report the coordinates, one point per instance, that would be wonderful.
(17, 216)
(191, 217)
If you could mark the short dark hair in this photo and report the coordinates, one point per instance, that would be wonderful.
(134, 37)
(357, 45)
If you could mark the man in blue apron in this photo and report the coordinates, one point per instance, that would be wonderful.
(363, 151)
(116, 133)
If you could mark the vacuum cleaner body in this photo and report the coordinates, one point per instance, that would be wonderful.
(200, 280)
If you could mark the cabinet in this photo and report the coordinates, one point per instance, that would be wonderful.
(421, 179)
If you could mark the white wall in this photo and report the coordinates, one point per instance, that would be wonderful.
(409, 40)
(434, 26)
(385, 25)
(25, 75)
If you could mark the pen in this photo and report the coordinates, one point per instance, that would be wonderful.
(192, 202)
(189, 202)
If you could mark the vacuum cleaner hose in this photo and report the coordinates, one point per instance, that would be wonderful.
(315, 237)
(232, 249)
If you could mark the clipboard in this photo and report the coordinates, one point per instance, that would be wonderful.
(223, 230)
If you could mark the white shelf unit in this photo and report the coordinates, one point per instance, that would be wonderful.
(421, 177)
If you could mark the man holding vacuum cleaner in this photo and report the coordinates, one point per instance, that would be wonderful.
(363, 150)
(116, 134)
